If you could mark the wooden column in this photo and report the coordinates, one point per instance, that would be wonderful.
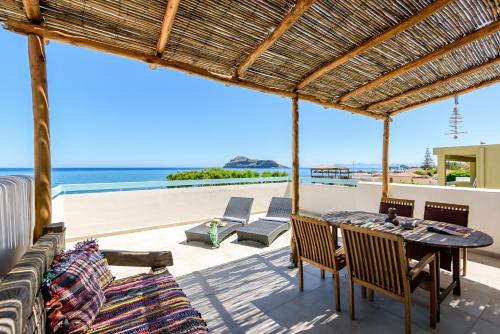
(295, 155)
(43, 191)
(295, 173)
(385, 159)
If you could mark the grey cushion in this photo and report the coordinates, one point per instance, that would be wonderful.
(16, 219)
(20, 299)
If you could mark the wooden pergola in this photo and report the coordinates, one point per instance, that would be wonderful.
(376, 58)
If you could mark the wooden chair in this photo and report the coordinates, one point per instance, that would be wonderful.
(316, 243)
(446, 213)
(376, 260)
(451, 214)
(404, 207)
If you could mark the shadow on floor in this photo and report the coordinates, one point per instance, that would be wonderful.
(259, 294)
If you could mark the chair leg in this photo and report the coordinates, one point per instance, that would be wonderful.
(363, 292)
(464, 262)
(407, 315)
(370, 295)
(336, 278)
(322, 273)
(351, 300)
(301, 276)
(433, 295)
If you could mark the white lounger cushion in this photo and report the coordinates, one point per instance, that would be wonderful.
(233, 219)
(276, 219)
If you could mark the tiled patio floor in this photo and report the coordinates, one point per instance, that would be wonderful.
(258, 294)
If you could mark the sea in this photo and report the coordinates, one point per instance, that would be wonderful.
(111, 175)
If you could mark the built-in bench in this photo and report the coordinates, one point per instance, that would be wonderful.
(22, 307)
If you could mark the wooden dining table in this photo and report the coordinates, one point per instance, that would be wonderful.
(419, 235)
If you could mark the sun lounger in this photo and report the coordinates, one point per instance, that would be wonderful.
(236, 216)
(268, 228)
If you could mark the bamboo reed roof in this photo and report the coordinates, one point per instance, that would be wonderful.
(373, 57)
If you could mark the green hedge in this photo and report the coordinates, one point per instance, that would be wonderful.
(220, 173)
(274, 174)
(452, 175)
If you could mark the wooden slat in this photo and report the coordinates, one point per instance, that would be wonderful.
(397, 273)
(376, 261)
(32, 10)
(350, 251)
(155, 259)
(166, 27)
(385, 159)
(387, 244)
(384, 36)
(449, 96)
(478, 34)
(42, 161)
(288, 21)
(60, 36)
(437, 84)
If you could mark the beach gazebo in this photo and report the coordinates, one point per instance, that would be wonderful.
(373, 58)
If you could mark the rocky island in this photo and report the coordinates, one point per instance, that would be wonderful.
(244, 162)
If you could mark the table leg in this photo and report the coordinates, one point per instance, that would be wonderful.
(438, 284)
(455, 254)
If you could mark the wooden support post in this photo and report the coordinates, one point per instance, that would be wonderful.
(295, 172)
(43, 191)
(385, 159)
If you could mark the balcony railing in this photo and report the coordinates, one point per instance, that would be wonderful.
(149, 185)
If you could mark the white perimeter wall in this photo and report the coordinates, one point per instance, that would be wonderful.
(484, 203)
(100, 214)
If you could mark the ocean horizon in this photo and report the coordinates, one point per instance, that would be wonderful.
(85, 175)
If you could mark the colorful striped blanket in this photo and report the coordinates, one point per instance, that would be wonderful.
(147, 303)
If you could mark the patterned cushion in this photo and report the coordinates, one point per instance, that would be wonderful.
(147, 303)
(73, 288)
(94, 259)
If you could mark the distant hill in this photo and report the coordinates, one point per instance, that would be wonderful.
(244, 162)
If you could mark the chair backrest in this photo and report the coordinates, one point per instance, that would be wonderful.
(404, 207)
(280, 207)
(239, 207)
(447, 213)
(16, 219)
(316, 241)
(376, 258)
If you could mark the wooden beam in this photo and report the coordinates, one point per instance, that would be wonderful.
(388, 34)
(448, 96)
(436, 84)
(59, 36)
(166, 27)
(43, 186)
(32, 10)
(478, 34)
(385, 159)
(288, 21)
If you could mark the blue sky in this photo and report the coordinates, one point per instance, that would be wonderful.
(108, 111)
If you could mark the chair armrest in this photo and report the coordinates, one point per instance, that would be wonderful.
(430, 257)
(155, 259)
(54, 228)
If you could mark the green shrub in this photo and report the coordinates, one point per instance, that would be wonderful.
(221, 173)
(452, 175)
(274, 174)
(432, 172)
(420, 172)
